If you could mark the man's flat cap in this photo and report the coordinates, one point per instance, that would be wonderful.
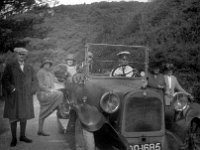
(21, 50)
(123, 53)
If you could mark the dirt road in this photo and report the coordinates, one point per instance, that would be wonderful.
(56, 140)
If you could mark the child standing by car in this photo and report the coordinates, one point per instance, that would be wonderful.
(71, 67)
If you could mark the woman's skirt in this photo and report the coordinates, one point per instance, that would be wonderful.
(49, 101)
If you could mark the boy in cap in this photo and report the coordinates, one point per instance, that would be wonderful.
(20, 84)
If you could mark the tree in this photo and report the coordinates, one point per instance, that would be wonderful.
(17, 20)
(11, 7)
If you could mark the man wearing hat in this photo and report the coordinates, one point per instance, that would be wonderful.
(155, 78)
(123, 68)
(94, 66)
(20, 84)
(90, 65)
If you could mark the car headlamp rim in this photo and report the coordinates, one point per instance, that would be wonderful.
(180, 101)
(105, 97)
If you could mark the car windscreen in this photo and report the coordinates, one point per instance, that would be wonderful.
(143, 114)
(105, 59)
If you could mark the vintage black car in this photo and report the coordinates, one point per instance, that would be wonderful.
(120, 112)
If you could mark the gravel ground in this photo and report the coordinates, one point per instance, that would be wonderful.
(57, 140)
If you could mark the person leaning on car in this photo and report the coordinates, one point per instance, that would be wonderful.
(19, 83)
(155, 78)
(172, 84)
(186, 114)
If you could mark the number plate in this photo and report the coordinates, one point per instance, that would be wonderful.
(155, 146)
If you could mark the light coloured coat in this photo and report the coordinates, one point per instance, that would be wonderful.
(175, 86)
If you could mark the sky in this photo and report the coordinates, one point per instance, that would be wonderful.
(73, 2)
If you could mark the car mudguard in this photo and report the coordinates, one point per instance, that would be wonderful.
(107, 138)
(90, 117)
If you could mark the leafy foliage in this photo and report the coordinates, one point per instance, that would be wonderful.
(10, 7)
(18, 20)
(171, 28)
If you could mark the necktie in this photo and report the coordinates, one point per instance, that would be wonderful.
(169, 80)
(123, 70)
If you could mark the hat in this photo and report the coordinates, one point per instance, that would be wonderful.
(46, 61)
(70, 57)
(90, 54)
(123, 53)
(21, 50)
(155, 64)
(168, 66)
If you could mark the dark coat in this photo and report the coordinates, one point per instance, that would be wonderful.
(1, 74)
(19, 104)
(155, 82)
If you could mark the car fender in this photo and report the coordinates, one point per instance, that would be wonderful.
(172, 141)
(90, 117)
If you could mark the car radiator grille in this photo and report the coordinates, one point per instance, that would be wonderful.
(143, 114)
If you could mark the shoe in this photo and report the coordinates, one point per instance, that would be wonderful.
(13, 142)
(183, 146)
(42, 134)
(25, 139)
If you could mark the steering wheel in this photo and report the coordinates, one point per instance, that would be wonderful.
(134, 72)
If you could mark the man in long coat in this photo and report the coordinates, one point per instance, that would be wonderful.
(19, 83)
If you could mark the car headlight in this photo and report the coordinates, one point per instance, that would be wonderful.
(110, 102)
(180, 101)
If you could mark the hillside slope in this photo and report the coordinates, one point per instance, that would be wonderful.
(170, 27)
(72, 26)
